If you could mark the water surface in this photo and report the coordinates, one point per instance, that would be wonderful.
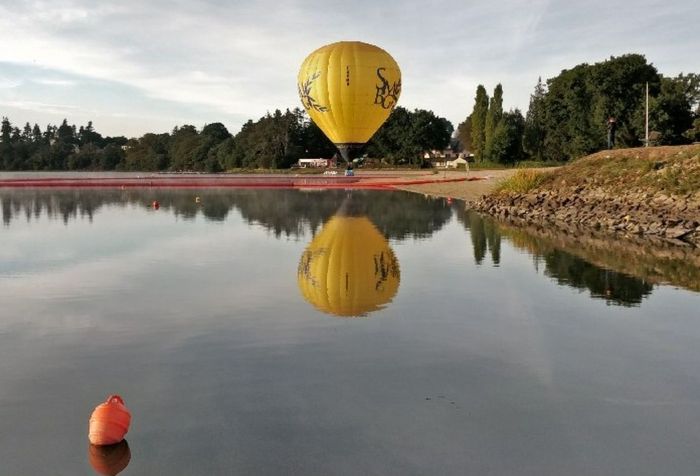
(473, 350)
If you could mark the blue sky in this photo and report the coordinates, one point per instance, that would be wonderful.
(138, 66)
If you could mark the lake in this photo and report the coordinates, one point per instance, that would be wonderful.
(337, 332)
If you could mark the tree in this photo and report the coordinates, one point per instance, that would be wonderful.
(493, 118)
(406, 135)
(506, 146)
(478, 116)
(534, 133)
(670, 112)
(464, 135)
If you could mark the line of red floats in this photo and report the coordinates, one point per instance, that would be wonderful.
(369, 182)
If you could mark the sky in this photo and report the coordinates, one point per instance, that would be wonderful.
(146, 66)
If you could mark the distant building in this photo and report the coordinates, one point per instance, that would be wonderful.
(447, 158)
(454, 163)
(316, 163)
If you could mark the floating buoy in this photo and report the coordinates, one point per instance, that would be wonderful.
(109, 422)
(449, 201)
(109, 460)
(155, 205)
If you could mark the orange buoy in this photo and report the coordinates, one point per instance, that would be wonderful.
(109, 460)
(155, 205)
(109, 422)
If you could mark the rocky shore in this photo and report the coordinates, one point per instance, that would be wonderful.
(648, 193)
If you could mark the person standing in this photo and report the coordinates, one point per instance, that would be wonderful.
(612, 126)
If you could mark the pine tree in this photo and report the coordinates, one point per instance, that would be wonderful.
(493, 118)
(481, 107)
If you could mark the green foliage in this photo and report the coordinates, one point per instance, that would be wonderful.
(58, 148)
(534, 133)
(493, 119)
(407, 135)
(670, 114)
(478, 120)
(507, 144)
(464, 135)
(522, 181)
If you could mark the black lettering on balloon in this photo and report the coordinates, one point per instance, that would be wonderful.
(387, 95)
(305, 94)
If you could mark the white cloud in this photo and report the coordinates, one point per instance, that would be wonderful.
(242, 58)
(55, 82)
(42, 107)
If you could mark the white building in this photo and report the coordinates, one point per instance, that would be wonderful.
(305, 163)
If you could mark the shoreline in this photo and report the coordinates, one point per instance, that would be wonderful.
(648, 194)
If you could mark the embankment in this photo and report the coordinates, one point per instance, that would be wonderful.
(651, 193)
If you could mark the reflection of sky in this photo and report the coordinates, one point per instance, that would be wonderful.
(200, 326)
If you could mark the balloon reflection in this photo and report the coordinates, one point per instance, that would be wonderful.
(109, 460)
(348, 269)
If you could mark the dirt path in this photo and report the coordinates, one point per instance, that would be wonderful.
(468, 190)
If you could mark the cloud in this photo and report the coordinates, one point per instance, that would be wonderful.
(59, 109)
(242, 58)
(55, 82)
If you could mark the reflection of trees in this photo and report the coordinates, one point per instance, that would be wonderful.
(289, 212)
(484, 235)
(564, 267)
(620, 288)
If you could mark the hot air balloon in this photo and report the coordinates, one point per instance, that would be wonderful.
(349, 89)
(348, 269)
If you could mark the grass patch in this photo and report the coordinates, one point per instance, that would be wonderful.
(522, 181)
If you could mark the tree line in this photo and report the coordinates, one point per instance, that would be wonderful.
(567, 116)
(276, 140)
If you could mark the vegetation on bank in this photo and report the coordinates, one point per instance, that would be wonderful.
(523, 181)
(567, 115)
(275, 141)
(670, 170)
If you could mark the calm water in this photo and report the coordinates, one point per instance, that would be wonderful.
(226, 326)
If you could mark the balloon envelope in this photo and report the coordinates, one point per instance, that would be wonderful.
(349, 89)
(348, 269)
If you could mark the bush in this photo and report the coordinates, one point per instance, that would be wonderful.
(522, 181)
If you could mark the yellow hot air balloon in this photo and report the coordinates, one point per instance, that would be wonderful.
(349, 89)
(348, 269)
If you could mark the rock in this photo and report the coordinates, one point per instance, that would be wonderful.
(676, 232)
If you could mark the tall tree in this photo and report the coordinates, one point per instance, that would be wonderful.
(506, 145)
(493, 118)
(534, 133)
(464, 135)
(478, 115)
